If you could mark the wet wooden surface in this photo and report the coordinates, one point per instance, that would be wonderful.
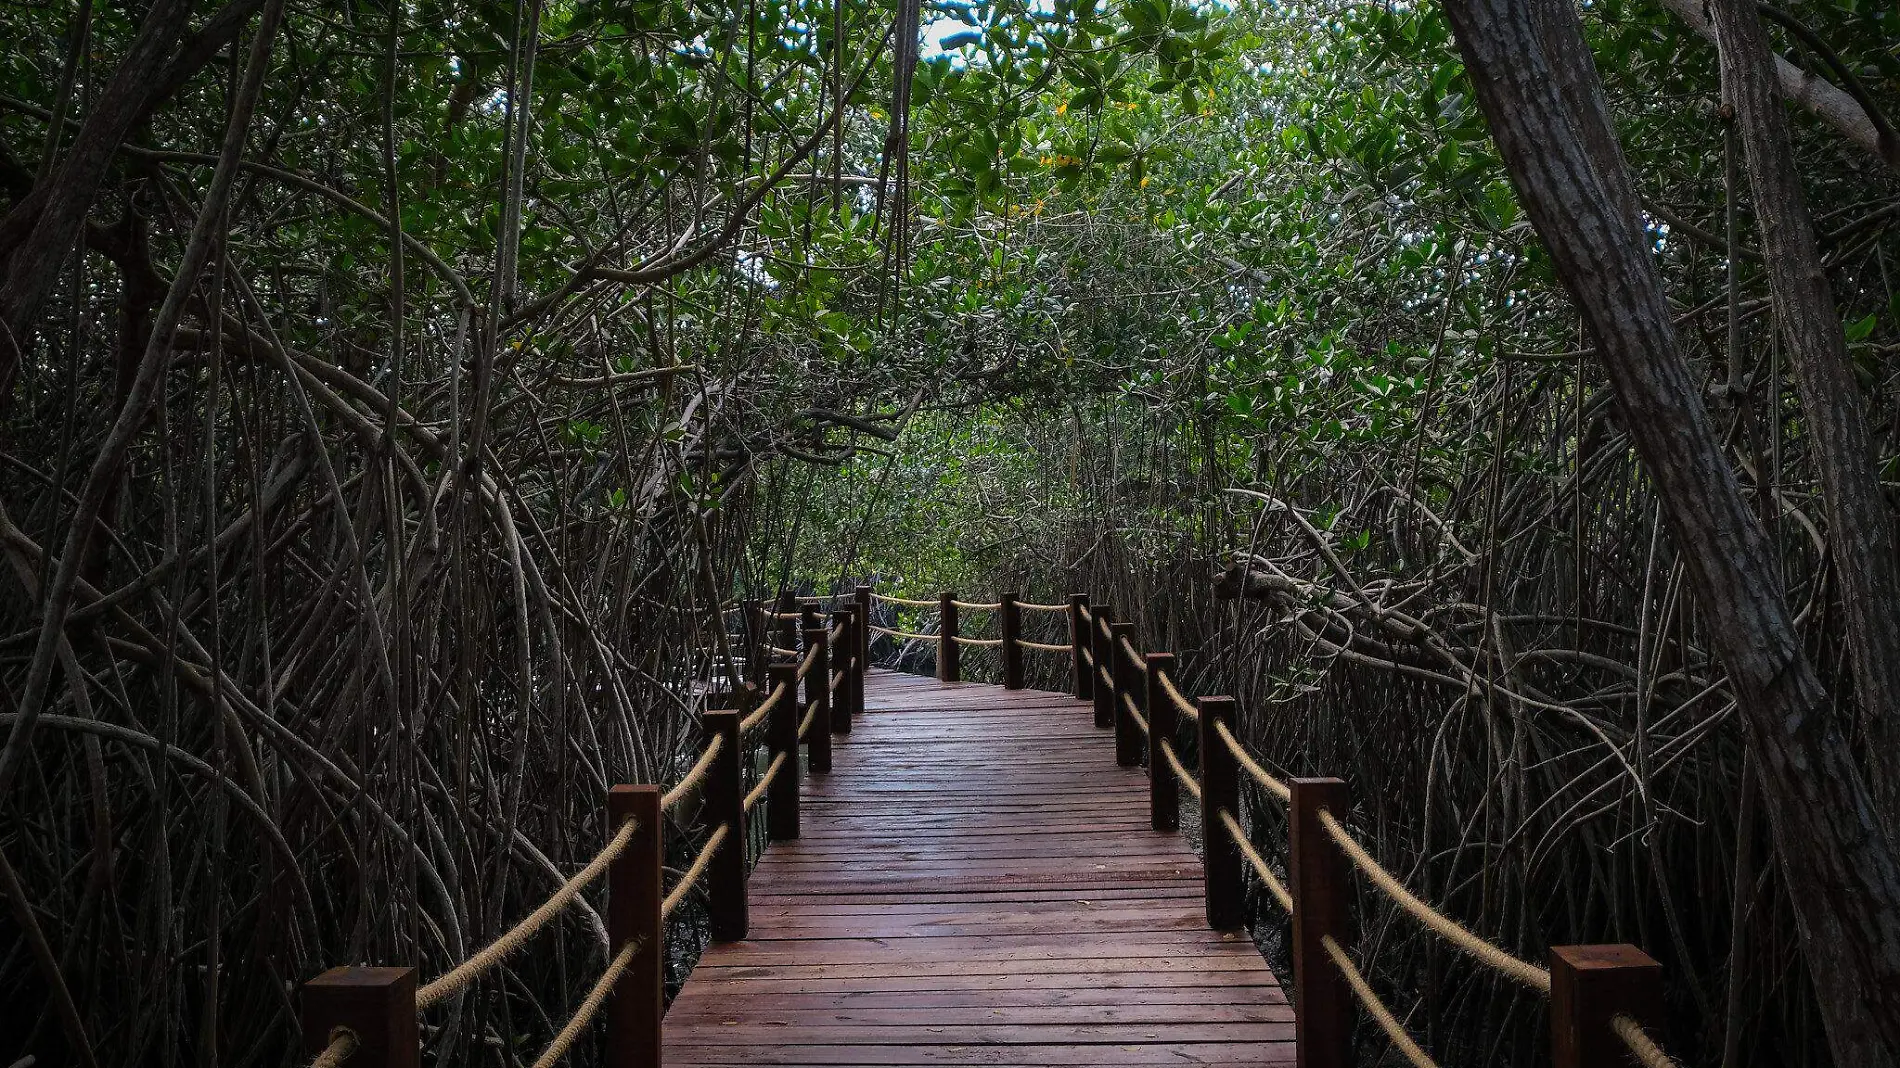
(977, 884)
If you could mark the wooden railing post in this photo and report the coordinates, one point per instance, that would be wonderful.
(377, 1004)
(634, 893)
(1322, 890)
(1164, 793)
(726, 913)
(1127, 688)
(1220, 789)
(949, 653)
(1104, 646)
(752, 612)
(847, 649)
(863, 597)
(1083, 676)
(1010, 620)
(1588, 986)
(781, 798)
(818, 692)
(787, 628)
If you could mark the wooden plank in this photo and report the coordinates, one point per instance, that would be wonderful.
(977, 883)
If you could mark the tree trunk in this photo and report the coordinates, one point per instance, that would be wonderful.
(1539, 89)
(1860, 526)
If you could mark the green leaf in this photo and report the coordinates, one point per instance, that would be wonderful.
(1858, 331)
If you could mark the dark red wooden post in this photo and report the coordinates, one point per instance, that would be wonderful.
(634, 893)
(1220, 790)
(1104, 667)
(1164, 793)
(1128, 744)
(863, 593)
(1588, 986)
(1083, 685)
(781, 798)
(1320, 875)
(377, 1004)
(846, 650)
(726, 917)
(1010, 619)
(752, 612)
(949, 655)
(787, 628)
(818, 692)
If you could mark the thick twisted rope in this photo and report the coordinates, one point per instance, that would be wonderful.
(695, 777)
(781, 650)
(1252, 766)
(1641, 1046)
(975, 607)
(1444, 926)
(1376, 1008)
(1259, 863)
(458, 977)
(1188, 781)
(589, 1006)
(757, 715)
(905, 601)
(1107, 679)
(694, 873)
(343, 1043)
(837, 677)
(1181, 704)
(1135, 713)
(979, 641)
(836, 636)
(1045, 648)
(1031, 607)
(1088, 655)
(904, 634)
(804, 667)
(757, 793)
(786, 615)
(804, 725)
(1088, 614)
(1135, 659)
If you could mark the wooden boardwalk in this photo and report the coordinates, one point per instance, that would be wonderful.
(977, 884)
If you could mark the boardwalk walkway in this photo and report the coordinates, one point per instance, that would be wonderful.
(977, 884)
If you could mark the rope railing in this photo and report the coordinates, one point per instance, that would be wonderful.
(460, 976)
(589, 1007)
(1188, 782)
(757, 793)
(1045, 648)
(1135, 659)
(1118, 682)
(1134, 713)
(694, 777)
(905, 601)
(1030, 606)
(757, 715)
(1375, 1008)
(985, 642)
(691, 877)
(1440, 924)
(1250, 765)
(906, 635)
(1256, 861)
(1181, 704)
(1641, 1046)
(976, 606)
(343, 1043)
(337, 1001)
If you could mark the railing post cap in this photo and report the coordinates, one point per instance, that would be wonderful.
(1216, 705)
(1597, 958)
(628, 789)
(1160, 660)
